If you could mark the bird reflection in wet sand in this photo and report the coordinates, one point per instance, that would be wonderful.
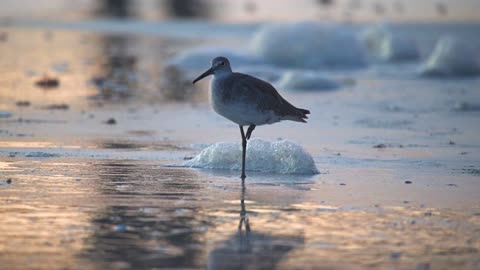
(247, 101)
(251, 250)
(243, 236)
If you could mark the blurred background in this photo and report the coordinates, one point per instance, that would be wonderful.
(143, 49)
(247, 10)
(99, 121)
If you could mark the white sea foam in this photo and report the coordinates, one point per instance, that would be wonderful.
(283, 157)
(308, 45)
(383, 44)
(306, 81)
(451, 57)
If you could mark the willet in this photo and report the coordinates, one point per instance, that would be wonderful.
(247, 101)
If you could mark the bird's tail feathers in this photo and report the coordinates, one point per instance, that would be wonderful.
(299, 115)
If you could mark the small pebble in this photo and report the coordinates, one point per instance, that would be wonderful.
(187, 158)
(121, 228)
(408, 182)
(452, 185)
(380, 146)
(9, 180)
(343, 184)
(111, 121)
(451, 142)
(395, 255)
(23, 103)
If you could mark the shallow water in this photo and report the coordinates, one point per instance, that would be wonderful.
(130, 215)
(397, 154)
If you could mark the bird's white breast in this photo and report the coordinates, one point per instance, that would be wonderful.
(237, 109)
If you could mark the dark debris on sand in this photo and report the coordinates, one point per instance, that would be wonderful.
(380, 146)
(47, 82)
(62, 106)
(23, 103)
(471, 170)
(111, 121)
(383, 146)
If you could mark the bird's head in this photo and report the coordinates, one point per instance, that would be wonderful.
(220, 65)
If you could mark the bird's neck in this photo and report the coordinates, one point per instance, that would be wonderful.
(222, 73)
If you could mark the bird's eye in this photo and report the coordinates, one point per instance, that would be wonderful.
(222, 63)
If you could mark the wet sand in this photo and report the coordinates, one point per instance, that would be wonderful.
(398, 157)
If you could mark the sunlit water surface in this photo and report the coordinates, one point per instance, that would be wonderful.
(139, 215)
(87, 195)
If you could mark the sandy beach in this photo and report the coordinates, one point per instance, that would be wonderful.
(93, 175)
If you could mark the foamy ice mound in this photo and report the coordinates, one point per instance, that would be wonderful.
(282, 157)
(265, 72)
(199, 59)
(308, 45)
(306, 81)
(383, 44)
(451, 57)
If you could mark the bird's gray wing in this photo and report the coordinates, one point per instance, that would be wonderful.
(262, 93)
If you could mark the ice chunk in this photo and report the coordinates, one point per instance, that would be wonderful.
(451, 57)
(383, 44)
(308, 45)
(306, 80)
(284, 157)
(199, 59)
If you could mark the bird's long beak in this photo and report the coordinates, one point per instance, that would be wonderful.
(205, 74)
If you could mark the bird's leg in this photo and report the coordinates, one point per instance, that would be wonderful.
(244, 152)
(250, 130)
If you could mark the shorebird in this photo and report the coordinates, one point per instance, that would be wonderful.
(247, 101)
